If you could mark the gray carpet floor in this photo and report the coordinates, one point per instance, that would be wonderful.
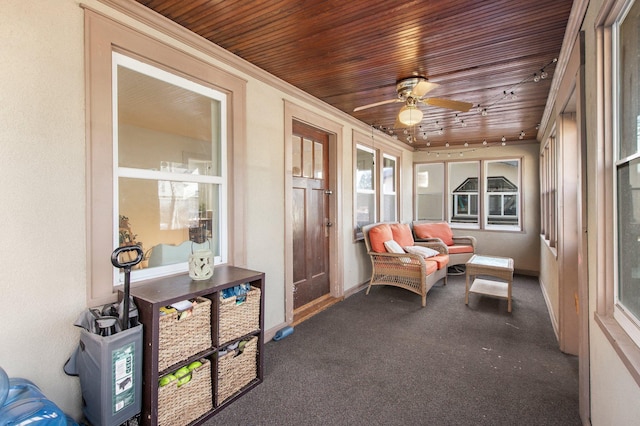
(381, 359)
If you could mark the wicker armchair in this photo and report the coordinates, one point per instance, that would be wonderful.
(406, 270)
(461, 248)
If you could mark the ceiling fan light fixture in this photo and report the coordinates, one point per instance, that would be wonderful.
(410, 115)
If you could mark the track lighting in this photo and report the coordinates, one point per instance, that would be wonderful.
(536, 77)
(504, 139)
(484, 112)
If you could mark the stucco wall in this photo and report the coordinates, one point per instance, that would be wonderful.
(43, 175)
(42, 170)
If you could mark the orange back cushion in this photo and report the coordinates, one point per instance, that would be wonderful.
(378, 235)
(440, 230)
(402, 234)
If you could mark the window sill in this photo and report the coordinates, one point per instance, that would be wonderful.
(624, 346)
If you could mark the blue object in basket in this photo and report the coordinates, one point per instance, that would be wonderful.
(282, 333)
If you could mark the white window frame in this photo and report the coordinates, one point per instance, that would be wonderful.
(487, 194)
(418, 183)
(379, 149)
(104, 35)
(620, 333)
(483, 196)
(220, 234)
(451, 205)
(393, 193)
(629, 322)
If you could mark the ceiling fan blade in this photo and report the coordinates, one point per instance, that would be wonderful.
(423, 87)
(375, 104)
(449, 104)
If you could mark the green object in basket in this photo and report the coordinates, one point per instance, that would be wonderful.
(194, 365)
(183, 375)
(165, 380)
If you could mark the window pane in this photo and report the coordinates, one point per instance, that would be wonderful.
(629, 70)
(495, 205)
(389, 175)
(160, 122)
(389, 208)
(509, 207)
(164, 217)
(365, 188)
(429, 197)
(170, 137)
(503, 192)
(629, 236)
(389, 200)
(317, 160)
(365, 171)
(463, 183)
(307, 158)
(296, 155)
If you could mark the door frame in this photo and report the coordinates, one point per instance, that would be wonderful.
(334, 130)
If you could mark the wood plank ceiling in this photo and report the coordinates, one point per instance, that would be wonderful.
(351, 53)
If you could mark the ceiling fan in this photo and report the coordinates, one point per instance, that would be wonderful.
(411, 91)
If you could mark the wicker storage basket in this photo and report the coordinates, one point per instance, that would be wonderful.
(236, 371)
(180, 405)
(237, 320)
(182, 338)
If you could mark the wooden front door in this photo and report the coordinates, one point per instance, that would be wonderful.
(310, 214)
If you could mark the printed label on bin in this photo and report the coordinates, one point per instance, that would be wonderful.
(123, 392)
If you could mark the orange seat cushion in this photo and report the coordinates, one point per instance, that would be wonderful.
(402, 234)
(432, 266)
(460, 249)
(378, 235)
(442, 260)
(440, 230)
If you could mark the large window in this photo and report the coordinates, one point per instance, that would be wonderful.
(366, 201)
(463, 192)
(376, 183)
(161, 168)
(627, 168)
(503, 193)
(170, 151)
(489, 201)
(429, 191)
(548, 192)
(389, 188)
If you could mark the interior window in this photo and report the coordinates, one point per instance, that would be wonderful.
(463, 192)
(389, 186)
(429, 200)
(169, 152)
(365, 187)
(502, 193)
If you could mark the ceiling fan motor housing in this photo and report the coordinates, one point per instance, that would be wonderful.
(405, 86)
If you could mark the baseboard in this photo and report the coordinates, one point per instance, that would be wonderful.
(554, 320)
(356, 289)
